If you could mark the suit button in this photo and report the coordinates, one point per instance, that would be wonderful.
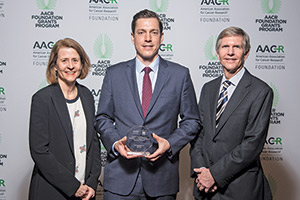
(214, 141)
(211, 162)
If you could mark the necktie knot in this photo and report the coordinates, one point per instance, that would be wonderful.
(222, 101)
(226, 84)
(147, 70)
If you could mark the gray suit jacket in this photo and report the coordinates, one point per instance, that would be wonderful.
(120, 109)
(51, 145)
(231, 151)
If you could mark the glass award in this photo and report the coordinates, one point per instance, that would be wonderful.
(140, 141)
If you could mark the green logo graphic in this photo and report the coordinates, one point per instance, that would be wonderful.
(2, 91)
(270, 7)
(2, 183)
(43, 84)
(209, 49)
(276, 95)
(42, 5)
(273, 184)
(154, 5)
(103, 47)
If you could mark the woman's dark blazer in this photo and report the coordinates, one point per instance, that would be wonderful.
(51, 145)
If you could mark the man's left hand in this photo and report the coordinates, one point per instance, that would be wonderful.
(163, 146)
(205, 181)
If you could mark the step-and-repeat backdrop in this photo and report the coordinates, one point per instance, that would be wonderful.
(30, 28)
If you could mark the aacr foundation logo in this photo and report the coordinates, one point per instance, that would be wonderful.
(103, 10)
(166, 51)
(273, 149)
(2, 65)
(276, 116)
(47, 17)
(103, 49)
(42, 4)
(2, 99)
(42, 84)
(265, 6)
(2, 15)
(271, 22)
(164, 4)
(213, 68)
(2, 189)
(160, 7)
(40, 52)
(214, 11)
(270, 57)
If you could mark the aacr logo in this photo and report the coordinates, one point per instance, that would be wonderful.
(104, 1)
(96, 93)
(270, 49)
(214, 2)
(166, 47)
(2, 183)
(274, 141)
(2, 91)
(42, 5)
(43, 45)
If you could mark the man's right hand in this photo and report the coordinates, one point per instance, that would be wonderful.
(123, 150)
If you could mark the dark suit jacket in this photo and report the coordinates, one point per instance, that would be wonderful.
(231, 151)
(51, 145)
(120, 109)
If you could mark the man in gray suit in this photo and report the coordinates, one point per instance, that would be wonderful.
(235, 118)
(123, 104)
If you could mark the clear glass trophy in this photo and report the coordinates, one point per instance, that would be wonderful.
(140, 141)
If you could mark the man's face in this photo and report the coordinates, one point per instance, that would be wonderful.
(147, 39)
(231, 54)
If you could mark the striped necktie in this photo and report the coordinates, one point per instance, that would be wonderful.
(147, 90)
(222, 101)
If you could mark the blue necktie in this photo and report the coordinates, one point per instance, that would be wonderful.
(222, 101)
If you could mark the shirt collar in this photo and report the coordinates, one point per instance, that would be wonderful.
(236, 78)
(140, 66)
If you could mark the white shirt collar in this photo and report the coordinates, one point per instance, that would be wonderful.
(140, 66)
(236, 78)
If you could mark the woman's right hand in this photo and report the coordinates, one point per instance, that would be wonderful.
(81, 191)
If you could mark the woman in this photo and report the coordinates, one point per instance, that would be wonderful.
(63, 143)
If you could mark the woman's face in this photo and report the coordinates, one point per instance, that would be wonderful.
(68, 65)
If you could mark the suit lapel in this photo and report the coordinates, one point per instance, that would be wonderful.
(237, 97)
(63, 113)
(131, 78)
(162, 76)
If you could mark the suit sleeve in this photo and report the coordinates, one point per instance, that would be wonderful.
(51, 169)
(248, 151)
(104, 121)
(196, 154)
(189, 123)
